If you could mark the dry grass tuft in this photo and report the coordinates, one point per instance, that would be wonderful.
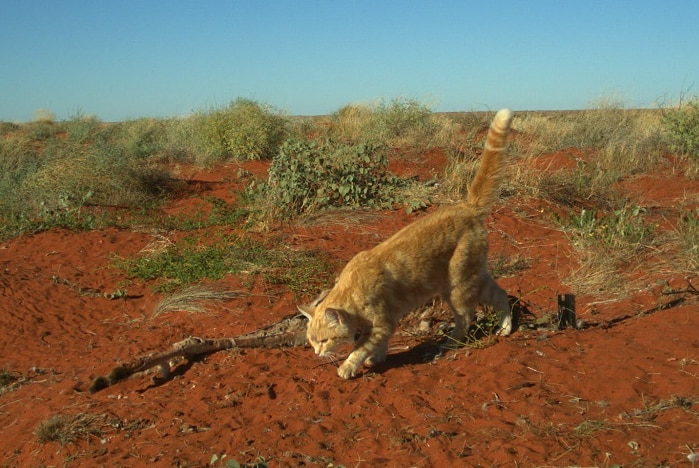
(68, 429)
(193, 299)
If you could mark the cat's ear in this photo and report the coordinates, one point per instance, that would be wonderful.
(335, 316)
(307, 310)
(323, 294)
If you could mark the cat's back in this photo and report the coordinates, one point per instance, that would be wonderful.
(439, 231)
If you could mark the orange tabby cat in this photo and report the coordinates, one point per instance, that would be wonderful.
(444, 253)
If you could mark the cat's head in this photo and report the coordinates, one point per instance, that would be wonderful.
(328, 327)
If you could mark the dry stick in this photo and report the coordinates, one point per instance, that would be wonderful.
(290, 331)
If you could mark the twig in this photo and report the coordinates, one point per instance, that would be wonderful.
(290, 331)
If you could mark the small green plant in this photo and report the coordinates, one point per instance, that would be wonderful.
(623, 229)
(481, 333)
(185, 263)
(306, 176)
(682, 126)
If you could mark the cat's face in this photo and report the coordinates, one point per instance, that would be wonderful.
(327, 330)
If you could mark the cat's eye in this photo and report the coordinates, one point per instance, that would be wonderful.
(324, 340)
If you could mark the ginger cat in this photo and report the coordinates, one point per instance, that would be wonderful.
(444, 253)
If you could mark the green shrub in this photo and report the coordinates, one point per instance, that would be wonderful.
(403, 120)
(81, 128)
(399, 124)
(41, 131)
(18, 160)
(682, 126)
(243, 130)
(72, 175)
(307, 176)
(138, 139)
(182, 141)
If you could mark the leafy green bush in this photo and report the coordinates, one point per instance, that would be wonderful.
(243, 130)
(306, 176)
(682, 126)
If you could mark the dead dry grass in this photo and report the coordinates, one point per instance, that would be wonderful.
(194, 299)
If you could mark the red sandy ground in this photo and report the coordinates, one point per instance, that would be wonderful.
(625, 394)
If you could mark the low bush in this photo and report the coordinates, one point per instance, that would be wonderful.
(682, 125)
(82, 129)
(400, 123)
(307, 176)
(243, 130)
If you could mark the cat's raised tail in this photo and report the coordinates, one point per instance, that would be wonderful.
(483, 191)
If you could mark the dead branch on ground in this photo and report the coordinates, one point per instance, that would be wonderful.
(288, 332)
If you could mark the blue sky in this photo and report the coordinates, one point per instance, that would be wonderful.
(124, 59)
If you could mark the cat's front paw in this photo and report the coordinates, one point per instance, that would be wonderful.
(346, 370)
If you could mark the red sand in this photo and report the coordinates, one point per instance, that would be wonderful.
(626, 394)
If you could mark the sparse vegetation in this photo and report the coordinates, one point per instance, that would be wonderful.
(83, 174)
(607, 244)
(71, 173)
(188, 262)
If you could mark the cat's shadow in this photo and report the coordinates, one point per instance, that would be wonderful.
(433, 349)
(423, 353)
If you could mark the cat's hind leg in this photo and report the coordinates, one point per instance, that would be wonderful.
(462, 302)
(493, 295)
